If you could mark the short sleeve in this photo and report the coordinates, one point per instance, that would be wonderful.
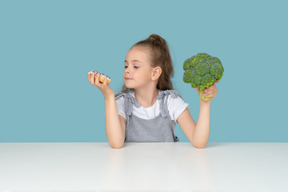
(175, 107)
(120, 107)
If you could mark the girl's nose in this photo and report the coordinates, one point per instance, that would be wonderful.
(126, 70)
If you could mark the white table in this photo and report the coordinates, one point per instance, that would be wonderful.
(143, 167)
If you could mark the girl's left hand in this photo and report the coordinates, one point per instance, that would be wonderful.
(209, 92)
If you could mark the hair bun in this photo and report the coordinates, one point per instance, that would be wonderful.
(154, 37)
(157, 39)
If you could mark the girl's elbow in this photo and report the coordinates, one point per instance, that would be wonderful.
(114, 146)
(199, 146)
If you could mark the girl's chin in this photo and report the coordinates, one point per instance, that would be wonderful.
(128, 86)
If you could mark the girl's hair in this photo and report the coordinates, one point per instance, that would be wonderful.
(160, 56)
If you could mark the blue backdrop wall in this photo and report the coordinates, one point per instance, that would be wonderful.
(48, 47)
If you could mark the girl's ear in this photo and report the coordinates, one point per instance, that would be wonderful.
(156, 73)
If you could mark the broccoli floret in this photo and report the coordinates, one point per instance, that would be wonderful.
(202, 70)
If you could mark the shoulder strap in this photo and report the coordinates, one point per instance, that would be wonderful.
(118, 95)
(163, 100)
(129, 101)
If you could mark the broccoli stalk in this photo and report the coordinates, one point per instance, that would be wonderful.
(202, 70)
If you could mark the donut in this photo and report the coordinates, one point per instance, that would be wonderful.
(102, 77)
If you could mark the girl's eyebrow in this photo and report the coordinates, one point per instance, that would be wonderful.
(133, 61)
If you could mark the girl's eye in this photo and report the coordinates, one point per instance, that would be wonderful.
(134, 67)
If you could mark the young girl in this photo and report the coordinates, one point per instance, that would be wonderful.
(147, 108)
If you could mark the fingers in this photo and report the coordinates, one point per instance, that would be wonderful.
(105, 81)
(101, 79)
(94, 79)
(206, 93)
(211, 91)
(91, 77)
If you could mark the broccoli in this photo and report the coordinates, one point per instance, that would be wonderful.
(202, 70)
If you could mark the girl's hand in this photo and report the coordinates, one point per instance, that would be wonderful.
(209, 92)
(104, 88)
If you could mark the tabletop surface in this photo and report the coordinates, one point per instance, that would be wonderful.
(143, 167)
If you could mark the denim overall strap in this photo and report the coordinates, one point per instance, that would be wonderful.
(163, 104)
(129, 101)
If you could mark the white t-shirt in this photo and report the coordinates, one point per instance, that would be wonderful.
(175, 107)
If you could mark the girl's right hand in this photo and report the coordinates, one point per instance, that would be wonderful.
(93, 78)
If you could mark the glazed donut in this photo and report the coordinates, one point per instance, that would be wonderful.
(102, 77)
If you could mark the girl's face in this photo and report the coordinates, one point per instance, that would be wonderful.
(137, 71)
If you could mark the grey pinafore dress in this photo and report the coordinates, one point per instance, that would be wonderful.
(158, 129)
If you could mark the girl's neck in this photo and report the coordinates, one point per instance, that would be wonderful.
(146, 98)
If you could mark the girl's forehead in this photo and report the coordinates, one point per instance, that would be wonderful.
(137, 53)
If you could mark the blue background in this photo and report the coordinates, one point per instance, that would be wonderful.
(48, 47)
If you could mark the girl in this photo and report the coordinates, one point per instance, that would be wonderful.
(147, 108)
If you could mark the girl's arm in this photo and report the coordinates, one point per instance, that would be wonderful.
(115, 128)
(198, 134)
(201, 134)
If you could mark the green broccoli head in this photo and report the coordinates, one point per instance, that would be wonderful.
(202, 70)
